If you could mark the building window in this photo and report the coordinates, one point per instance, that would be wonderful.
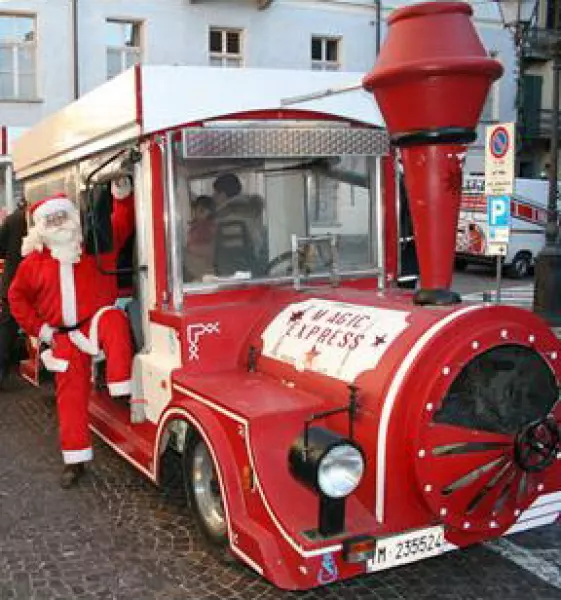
(17, 58)
(225, 47)
(325, 53)
(123, 46)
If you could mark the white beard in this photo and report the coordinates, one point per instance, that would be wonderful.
(66, 252)
(65, 242)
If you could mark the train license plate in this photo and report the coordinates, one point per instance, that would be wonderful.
(404, 548)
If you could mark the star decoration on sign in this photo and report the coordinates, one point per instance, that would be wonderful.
(309, 357)
(296, 316)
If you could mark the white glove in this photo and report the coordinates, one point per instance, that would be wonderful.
(121, 188)
(46, 333)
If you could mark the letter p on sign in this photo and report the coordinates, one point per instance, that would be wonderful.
(498, 211)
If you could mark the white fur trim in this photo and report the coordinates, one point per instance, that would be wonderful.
(90, 345)
(69, 311)
(46, 333)
(51, 206)
(71, 457)
(68, 293)
(32, 241)
(120, 388)
(82, 342)
(56, 365)
(94, 329)
(121, 188)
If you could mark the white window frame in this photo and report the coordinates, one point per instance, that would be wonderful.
(15, 47)
(225, 57)
(124, 51)
(323, 64)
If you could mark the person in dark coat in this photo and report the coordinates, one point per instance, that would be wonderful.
(12, 232)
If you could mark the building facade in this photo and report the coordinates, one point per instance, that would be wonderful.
(539, 42)
(53, 51)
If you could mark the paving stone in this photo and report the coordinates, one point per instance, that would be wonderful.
(118, 537)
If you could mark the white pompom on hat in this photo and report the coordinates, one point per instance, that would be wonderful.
(51, 205)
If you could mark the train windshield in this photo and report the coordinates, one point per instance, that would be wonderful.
(249, 220)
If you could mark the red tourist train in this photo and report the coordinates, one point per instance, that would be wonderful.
(330, 423)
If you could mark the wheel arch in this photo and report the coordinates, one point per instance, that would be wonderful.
(200, 420)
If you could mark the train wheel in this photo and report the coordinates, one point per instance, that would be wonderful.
(203, 492)
(491, 446)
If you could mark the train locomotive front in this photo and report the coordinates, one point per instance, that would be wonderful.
(384, 427)
(405, 424)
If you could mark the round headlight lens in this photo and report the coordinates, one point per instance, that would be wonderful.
(340, 471)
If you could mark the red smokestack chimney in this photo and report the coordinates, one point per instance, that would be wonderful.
(431, 81)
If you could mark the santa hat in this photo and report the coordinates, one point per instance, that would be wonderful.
(51, 205)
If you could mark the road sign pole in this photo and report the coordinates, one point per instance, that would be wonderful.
(499, 187)
(547, 288)
(499, 272)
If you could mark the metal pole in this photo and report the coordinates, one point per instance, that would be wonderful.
(520, 115)
(75, 52)
(499, 272)
(547, 291)
(552, 217)
(378, 25)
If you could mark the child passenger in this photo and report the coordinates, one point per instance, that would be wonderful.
(200, 238)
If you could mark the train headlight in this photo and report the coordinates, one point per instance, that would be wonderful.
(340, 470)
(332, 466)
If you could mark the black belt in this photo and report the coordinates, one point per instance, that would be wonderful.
(69, 328)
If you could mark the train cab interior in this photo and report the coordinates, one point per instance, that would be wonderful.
(272, 218)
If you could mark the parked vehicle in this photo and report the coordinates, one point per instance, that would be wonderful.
(527, 233)
(327, 426)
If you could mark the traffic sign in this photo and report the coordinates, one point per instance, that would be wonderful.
(499, 159)
(498, 224)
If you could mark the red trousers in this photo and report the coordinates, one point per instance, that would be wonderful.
(73, 386)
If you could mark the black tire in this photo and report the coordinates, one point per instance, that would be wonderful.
(460, 264)
(520, 266)
(203, 492)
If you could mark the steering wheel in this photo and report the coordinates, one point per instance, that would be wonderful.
(310, 257)
(278, 261)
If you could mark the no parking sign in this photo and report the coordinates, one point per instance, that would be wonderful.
(499, 159)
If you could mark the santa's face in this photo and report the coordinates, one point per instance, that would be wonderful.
(59, 229)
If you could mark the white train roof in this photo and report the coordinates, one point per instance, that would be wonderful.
(150, 99)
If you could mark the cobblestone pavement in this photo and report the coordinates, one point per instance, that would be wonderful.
(118, 537)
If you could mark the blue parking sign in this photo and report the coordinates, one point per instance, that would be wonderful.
(498, 223)
(498, 211)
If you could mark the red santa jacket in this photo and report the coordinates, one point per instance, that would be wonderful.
(45, 291)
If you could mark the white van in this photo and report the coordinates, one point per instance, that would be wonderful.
(528, 220)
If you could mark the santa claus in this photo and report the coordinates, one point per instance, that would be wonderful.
(61, 296)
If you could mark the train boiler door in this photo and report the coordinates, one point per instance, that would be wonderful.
(489, 448)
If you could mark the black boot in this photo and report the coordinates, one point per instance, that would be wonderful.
(71, 474)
